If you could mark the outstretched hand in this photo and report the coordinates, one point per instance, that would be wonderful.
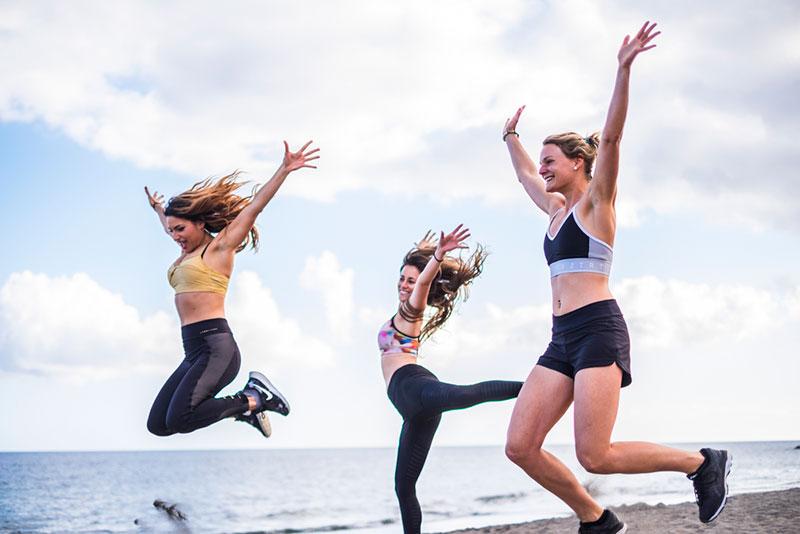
(511, 124)
(297, 160)
(453, 240)
(156, 201)
(428, 241)
(631, 47)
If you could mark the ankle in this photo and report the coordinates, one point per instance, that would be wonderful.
(592, 516)
(252, 400)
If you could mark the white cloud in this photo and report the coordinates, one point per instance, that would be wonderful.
(335, 283)
(492, 331)
(674, 313)
(409, 98)
(265, 334)
(72, 327)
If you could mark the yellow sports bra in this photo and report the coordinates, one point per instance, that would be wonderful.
(192, 274)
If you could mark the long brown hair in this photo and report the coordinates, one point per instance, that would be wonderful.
(450, 285)
(214, 203)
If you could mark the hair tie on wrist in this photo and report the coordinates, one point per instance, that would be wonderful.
(509, 132)
(437, 259)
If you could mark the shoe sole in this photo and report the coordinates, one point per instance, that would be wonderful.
(264, 424)
(272, 388)
(728, 464)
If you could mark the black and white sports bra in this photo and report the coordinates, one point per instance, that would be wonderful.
(574, 250)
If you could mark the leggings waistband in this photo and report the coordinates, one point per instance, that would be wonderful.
(204, 328)
(411, 369)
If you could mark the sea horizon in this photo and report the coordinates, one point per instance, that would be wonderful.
(325, 489)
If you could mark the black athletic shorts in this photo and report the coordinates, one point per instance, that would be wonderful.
(592, 336)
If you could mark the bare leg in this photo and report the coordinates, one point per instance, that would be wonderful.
(544, 398)
(596, 402)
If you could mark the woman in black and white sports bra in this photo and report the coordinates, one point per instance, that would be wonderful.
(427, 278)
(587, 361)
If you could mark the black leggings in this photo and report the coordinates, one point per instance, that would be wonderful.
(187, 401)
(421, 398)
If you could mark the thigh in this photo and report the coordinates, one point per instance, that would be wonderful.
(596, 403)
(415, 442)
(158, 412)
(544, 398)
(214, 368)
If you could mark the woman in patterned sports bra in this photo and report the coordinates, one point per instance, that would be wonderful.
(587, 361)
(427, 278)
(211, 224)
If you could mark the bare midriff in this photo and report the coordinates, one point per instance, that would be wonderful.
(393, 362)
(576, 290)
(196, 306)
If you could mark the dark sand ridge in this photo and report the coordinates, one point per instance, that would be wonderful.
(772, 512)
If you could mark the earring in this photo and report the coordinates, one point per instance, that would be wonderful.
(575, 167)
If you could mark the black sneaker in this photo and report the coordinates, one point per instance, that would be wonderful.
(607, 524)
(711, 483)
(259, 420)
(271, 398)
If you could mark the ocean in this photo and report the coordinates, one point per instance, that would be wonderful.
(323, 490)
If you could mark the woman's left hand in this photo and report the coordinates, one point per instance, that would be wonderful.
(453, 240)
(297, 160)
(631, 47)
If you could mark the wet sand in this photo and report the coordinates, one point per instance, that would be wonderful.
(773, 512)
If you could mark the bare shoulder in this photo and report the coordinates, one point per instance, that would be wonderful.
(598, 218)
(218, 256)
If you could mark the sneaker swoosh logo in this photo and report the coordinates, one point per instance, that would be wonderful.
(266, 392)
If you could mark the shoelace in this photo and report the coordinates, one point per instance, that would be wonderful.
(702, 484)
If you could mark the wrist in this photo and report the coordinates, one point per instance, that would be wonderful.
(509, 132)
(438, 257)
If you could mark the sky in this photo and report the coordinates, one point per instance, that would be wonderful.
(407, 102)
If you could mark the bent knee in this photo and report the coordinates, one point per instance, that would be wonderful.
(520, 452)
(595, 462)
(157, 429)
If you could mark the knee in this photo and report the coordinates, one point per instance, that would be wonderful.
(158, 429)
(595, 461)
(404, 489)
(177, 424)
(520, 451)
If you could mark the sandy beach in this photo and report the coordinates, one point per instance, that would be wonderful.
(773, 512)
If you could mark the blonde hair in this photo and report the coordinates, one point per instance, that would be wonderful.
(573, 145)
(450, 285)
(213, 203)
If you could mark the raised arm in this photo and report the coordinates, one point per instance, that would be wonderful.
(603, 188)
(233, 234)
(454, 240)
(525, 168)
(157, 203)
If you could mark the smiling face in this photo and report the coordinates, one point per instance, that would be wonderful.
(407, 281)
(187, 234)
(558, 171)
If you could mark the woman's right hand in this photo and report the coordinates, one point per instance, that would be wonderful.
(511, 124)
(156, 201)
(453, 240)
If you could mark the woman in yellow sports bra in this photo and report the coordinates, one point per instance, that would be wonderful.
(211, 224)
